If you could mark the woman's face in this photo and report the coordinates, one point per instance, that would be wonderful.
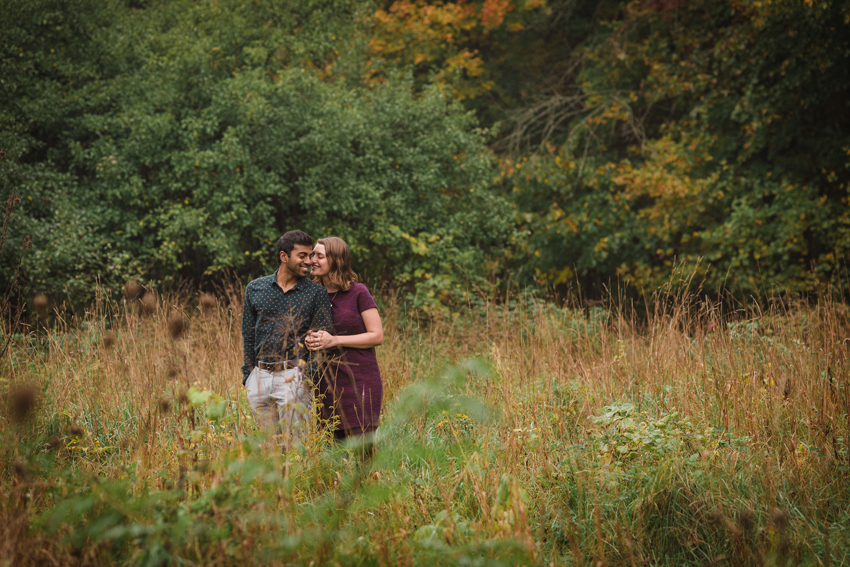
(320, 261)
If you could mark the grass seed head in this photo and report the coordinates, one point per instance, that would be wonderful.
(148, 303)
(133, 290)
(20, 469)
(176, 326)
(22, 400)
(40, 302)
(746, 519)
(779, 519)
(716, 516)
(207, 303)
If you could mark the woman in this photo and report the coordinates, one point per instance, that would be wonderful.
(352, 384)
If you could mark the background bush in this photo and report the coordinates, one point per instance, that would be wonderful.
(175, 141)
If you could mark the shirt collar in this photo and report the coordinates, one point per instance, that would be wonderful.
(298, 285)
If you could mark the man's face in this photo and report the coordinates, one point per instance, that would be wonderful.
(297, 262)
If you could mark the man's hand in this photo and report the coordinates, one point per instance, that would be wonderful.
(318, 340)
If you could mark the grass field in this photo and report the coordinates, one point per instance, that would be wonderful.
(514, 432)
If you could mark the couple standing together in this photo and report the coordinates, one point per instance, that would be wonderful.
(299, 332)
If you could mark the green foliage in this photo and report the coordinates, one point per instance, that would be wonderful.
(212, 404)
(627, 435)
(178, 141)
(713, 138)
(175, 141)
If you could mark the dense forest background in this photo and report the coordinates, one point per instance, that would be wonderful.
(453, 144)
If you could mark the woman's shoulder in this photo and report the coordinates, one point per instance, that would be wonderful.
(363, 297)
(357, 287)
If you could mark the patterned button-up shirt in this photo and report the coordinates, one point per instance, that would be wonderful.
(274, 322)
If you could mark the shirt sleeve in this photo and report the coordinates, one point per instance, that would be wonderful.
(321, 320)
(249, 328)
(365, 300)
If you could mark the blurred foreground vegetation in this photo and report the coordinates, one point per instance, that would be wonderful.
(514, 434)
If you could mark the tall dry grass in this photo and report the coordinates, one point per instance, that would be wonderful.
(688, 434)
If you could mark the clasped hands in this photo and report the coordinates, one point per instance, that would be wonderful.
(318, 340)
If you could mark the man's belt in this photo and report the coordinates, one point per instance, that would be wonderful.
(278, 366)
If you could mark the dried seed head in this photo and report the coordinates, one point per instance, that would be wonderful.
(40, 303)
(164, 405)
(148, 303)
(746, 519)
(779, 519)
(20, 469)
(23, 399)
(108, 340)
(172, 370)
(183, 398)
(207, 303)
(176, 325)
(734, 529)
(76, 431)
(13, 201)
(133, 290)
(716, 516)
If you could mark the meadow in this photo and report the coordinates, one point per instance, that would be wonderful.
(516, 431)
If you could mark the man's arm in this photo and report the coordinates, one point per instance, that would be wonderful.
(322, 319)
(249, 328)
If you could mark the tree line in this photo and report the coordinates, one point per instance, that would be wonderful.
(453, 144)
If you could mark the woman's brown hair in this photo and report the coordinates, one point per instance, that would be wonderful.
(340, 274)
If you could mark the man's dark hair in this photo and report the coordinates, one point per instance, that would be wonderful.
(288, 241)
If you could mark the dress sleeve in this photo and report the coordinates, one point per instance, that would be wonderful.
(365, 300)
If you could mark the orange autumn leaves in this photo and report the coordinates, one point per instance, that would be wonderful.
(493, 12)
(443, 40)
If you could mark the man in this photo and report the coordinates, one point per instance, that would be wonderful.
(277, 313)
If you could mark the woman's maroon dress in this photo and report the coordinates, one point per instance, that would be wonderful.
(352, 384)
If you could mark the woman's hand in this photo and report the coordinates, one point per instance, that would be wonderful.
(318, 340)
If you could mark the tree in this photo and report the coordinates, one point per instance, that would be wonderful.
(712, 130)
(186, 137)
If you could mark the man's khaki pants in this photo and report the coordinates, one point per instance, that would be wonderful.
(281, 403)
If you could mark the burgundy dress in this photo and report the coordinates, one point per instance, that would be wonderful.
(352, 384)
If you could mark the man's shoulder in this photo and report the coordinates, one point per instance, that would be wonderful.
(260, 282)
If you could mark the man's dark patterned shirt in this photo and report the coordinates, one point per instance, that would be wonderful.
(275, 323)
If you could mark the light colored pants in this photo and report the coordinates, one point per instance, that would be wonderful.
(281, 403)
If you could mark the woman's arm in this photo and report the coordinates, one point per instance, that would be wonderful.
(373, 336)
